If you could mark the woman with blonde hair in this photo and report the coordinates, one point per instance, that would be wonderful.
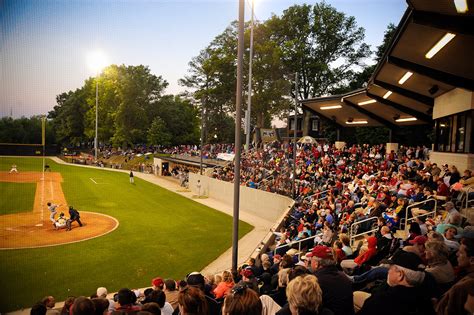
(305, 296)
(224, 287)
(437, 254)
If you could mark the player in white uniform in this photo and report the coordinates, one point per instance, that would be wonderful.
(13, 169)
(52, 208)
(60, 222)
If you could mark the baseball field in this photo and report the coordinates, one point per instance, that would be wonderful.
(131, 233)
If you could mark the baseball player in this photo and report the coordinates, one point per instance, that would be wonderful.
(61, 222)
(52, 208)
(13, 169)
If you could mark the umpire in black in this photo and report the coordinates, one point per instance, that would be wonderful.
(73, 216)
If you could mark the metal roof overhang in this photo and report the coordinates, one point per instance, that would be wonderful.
(424, 23)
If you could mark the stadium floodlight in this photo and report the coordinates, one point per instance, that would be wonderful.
(96, 61)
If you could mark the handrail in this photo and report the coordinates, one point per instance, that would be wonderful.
(424, 214)
(290, 244)
(351, 230)
(318, 193)
(468, 191)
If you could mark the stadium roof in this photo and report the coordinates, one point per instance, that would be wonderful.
(390, 101)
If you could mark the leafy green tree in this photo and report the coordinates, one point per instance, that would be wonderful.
(360, 79)
(324, 45)
(212, 79)
(138, 91)
(270, 89)
(68, 116)
(25, 130)
(158, 134)
(180, 118)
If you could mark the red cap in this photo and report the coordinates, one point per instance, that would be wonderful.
(247, 273)
(420, 240)
(157, 282)
(320, 251)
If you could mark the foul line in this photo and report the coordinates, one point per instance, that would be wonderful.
(93, 180)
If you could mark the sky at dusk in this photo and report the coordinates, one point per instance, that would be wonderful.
(44, 44)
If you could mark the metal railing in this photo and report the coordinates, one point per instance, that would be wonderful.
(467, 192)
(432, 212)
(318, 193)
(292, 243)
(344, 185)
(371, 230)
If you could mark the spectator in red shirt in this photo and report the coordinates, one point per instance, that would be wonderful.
(443, 189)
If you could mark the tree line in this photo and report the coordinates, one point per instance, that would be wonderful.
(326, 47)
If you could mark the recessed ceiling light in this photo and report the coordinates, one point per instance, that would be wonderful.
(461, 6)
(439, 45)
(406, 119)
(367, 102)
(330, 107)
(387, 94)
(405, 77)
(357, 122)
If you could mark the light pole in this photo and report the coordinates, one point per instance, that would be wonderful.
(294, 136)
(249, 102)
(96, 61)
(202, 133)
(96, 114)
(237, 144)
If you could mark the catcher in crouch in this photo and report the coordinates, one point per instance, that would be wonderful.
(61, 222)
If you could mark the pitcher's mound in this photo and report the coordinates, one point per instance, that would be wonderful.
(17, 231)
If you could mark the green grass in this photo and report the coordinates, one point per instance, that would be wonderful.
(16, 197)
(160, 234)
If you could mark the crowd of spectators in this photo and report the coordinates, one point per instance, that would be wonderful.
(313, 269)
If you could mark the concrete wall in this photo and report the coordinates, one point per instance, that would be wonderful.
(452, 102)
(268, 206)
(462, 161)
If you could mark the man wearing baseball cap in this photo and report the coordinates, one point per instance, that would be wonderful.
(336, 287)
(403, 292)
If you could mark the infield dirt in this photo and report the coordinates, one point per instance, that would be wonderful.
(34, 229)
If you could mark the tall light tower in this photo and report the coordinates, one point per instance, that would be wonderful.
(237, 141)
(294, 135)
(249, 103)
(97, 62)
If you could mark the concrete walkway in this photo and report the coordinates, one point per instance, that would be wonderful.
(247, 244)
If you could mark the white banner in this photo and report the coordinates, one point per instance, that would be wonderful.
(226, 156)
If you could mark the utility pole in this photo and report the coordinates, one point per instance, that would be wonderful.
(249, 102)
(294, 135)
(237, 144)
